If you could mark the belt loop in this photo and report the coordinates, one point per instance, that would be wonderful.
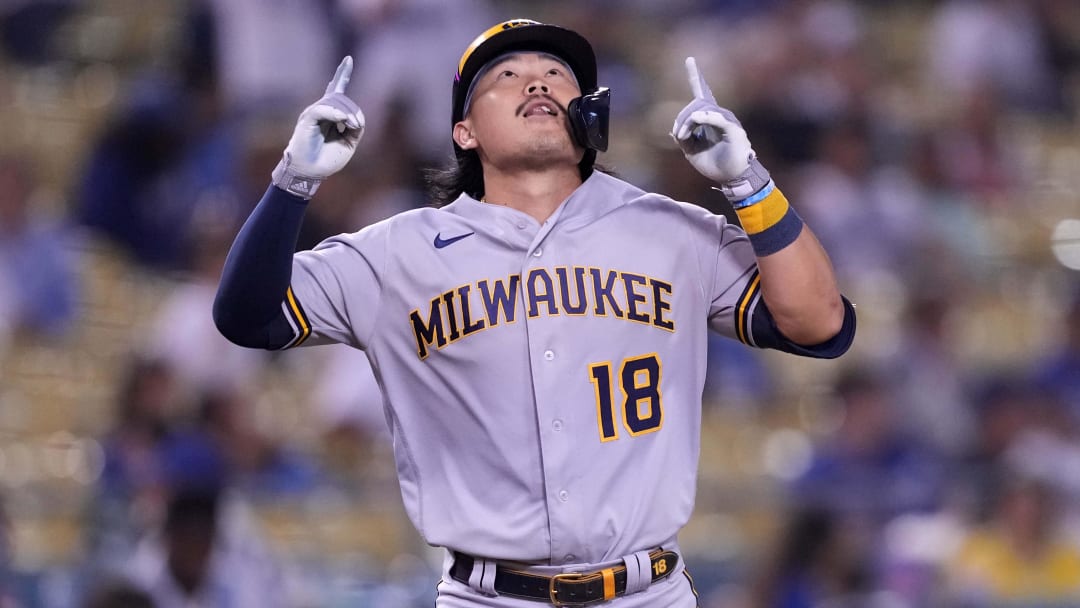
(482, 577)
(638, 572)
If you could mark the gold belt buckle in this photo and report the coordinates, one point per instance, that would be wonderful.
(553, 592)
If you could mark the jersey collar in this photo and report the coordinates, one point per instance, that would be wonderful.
(595, 197)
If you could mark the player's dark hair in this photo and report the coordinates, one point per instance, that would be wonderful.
(464, 174)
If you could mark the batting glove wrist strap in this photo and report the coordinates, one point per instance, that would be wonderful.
(286, 178)
(769, 221)
(750, 187)
(754, 198)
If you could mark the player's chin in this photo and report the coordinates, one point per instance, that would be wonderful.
(555, 145)
(548, 128)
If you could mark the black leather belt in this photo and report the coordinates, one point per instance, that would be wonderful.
(567, 589)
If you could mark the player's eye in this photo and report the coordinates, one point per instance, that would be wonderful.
(507, 74)
(554, 72)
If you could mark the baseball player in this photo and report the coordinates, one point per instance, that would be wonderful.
(540, 340)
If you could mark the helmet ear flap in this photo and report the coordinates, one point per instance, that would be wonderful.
(588, 116)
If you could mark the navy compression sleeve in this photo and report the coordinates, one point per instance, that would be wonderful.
(247, 309)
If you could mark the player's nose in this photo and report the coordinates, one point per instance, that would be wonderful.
(536, 87)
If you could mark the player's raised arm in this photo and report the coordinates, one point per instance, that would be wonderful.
(797, 280)
(255, 281)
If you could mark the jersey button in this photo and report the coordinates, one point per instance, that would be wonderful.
(549, 355)
(564, 496)
(556, 425)
(539, 252)
(570, 558)
(521, 225)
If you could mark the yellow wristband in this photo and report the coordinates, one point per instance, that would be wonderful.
(771, 223)
(763, 215)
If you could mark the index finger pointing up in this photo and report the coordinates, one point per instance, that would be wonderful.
(698, 86)
(341, 76)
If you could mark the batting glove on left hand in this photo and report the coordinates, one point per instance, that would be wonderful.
(324, 140)
(715, 143)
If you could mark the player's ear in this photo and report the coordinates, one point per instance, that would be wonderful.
(463, 136)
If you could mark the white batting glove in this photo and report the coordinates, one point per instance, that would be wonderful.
(324, 140)
(715, 142)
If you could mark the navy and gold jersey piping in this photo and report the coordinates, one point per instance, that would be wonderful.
(294, 314)
(744, 309)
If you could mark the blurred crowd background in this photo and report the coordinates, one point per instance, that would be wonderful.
(932, 145)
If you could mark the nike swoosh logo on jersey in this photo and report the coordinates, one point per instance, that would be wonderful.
(441, 242)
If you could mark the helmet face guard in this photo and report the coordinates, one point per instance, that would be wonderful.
(588, 114)
(589, 119)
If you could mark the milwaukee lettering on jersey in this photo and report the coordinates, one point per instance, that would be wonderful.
(571, 291)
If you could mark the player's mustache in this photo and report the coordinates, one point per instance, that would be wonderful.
(558, 108)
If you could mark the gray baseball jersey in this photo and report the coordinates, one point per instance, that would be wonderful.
(542, 382)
